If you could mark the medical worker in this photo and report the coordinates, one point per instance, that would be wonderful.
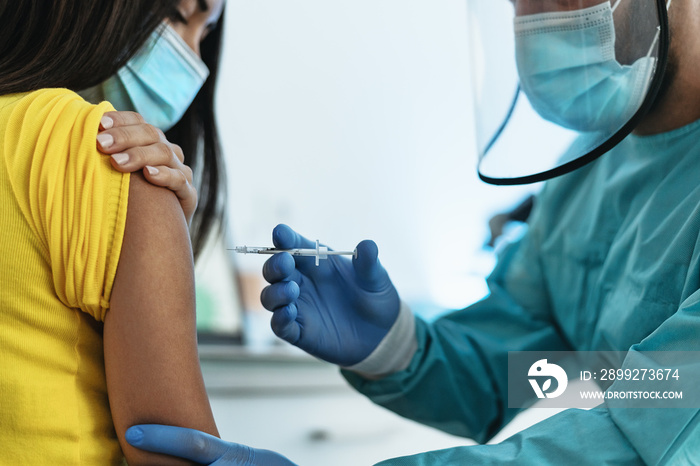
(610, 262)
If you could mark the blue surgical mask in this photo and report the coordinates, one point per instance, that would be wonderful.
(568, 70)
(159, 82)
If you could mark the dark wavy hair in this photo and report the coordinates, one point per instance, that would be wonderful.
(77, 44)
(74, 44)
(198, 135)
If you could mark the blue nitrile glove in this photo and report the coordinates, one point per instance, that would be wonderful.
(338, 311)
(199, 447)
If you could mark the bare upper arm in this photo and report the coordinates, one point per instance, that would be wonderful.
(150, 343)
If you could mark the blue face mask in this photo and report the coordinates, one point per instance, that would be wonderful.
(159, 82)
(568, 71)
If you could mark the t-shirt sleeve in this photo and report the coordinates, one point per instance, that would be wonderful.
(73, 200)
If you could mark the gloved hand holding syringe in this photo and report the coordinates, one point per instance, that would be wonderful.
(321, 252)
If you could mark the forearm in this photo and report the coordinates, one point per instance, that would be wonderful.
(623, 431)
(457, 378)
(570, 437)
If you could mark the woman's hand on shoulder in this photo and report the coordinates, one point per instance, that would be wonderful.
(135, 145)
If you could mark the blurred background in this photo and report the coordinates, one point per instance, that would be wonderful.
(346, 120)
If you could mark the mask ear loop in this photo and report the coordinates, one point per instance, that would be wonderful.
(658, 30)
(617, 3)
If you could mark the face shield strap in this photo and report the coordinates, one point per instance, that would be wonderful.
(663, 39)
(506, 120)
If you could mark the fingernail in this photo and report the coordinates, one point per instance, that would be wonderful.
(152, 170)
(134, 435)
(121, 159)
(106, 122)
(105, 140)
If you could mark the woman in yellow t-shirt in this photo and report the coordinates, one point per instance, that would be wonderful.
(97, 324)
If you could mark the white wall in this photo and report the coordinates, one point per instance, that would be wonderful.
(351, 120)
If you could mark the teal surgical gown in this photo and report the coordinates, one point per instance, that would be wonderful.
(610, 262)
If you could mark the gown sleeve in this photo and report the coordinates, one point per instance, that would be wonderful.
(612, 433)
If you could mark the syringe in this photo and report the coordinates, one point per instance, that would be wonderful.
(321, 252)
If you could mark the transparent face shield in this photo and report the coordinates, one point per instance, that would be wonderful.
(557, 83)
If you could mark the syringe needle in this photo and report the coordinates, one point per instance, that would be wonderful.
(321, 252)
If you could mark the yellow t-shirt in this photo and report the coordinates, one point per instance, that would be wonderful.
(62, 215)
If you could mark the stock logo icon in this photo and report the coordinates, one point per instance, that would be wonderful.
(542, 370)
